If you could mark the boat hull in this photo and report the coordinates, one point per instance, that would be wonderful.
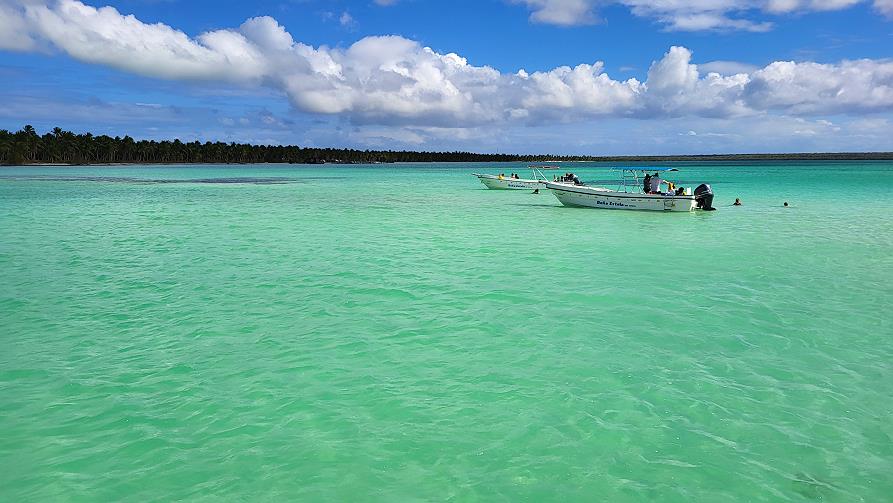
(598, 197)
(495, 183)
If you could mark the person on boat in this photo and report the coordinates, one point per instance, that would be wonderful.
(737, 202)
(501, 176)
(656, 183)
(647, 185)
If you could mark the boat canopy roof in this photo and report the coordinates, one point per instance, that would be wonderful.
(542, 166)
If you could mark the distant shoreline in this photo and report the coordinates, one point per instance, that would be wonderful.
(825, 156)
(64, 148)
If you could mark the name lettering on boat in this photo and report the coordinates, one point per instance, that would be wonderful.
(612, 203)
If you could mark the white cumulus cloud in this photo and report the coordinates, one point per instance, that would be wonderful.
(691, 15)
(391, 80)
(14, 35)
(848, 87)
(885, 7)
(561, 12)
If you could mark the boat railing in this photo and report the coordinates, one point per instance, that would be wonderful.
(537, 174)
(628, 180)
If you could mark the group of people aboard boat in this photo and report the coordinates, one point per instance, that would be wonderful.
(567, 178)
(513, 176)
(653, 182)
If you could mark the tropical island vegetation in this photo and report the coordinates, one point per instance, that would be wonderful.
(26, 146)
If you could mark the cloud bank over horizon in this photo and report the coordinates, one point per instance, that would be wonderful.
(392, 81)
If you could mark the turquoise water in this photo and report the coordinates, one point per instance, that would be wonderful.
(396, 332)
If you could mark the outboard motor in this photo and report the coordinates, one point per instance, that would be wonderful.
(704, 197)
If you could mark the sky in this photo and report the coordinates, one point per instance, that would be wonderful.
(587, 77)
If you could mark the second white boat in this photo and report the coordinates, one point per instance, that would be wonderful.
(503, 182)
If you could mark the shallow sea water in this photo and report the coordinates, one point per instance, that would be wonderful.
(399, 333)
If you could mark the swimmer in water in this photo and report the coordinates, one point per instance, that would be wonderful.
(785, 204)
(737, 202)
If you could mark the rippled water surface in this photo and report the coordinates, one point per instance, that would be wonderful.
(396, 332)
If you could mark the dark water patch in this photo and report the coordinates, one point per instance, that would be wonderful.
(249, 180)
(254, 180)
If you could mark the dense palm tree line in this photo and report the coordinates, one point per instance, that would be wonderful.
(27, 147)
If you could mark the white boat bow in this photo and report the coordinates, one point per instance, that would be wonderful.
(502, 182)
(507, 183)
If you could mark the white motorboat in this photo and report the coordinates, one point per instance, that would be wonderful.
(632, 194)
(514, 182)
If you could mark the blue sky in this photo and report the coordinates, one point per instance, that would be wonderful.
(525, 76)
